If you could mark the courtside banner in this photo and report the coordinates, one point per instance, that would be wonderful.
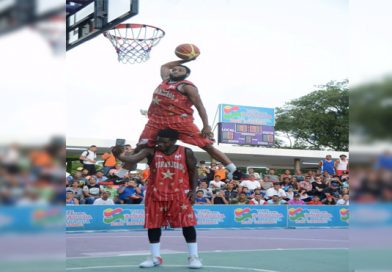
(89, 217)
(31, 219)
(246, 115)
(318, 216)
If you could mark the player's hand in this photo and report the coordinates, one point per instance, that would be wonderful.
(207, 132)
(118, 150)
(191, 195)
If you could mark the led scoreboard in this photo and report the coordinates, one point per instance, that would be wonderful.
(244, 134)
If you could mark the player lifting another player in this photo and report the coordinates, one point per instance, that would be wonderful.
(170, 193)
(171, 107)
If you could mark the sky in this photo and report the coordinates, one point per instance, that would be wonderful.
(253, 53)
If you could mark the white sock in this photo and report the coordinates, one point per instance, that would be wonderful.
(155, 249)
(192, 249)
(231, 167)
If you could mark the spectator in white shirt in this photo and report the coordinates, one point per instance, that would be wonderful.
(345, 200)
(104, 199)
(276, 190)
(251, 183)
(217, 183)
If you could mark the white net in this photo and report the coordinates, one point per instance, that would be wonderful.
(133, 42)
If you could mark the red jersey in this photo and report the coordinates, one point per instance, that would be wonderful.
(169, 176)
(169, 104)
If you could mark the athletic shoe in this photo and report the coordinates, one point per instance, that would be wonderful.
(194, 262)
(151, 262)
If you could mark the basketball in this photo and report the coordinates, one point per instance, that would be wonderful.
(187, 51)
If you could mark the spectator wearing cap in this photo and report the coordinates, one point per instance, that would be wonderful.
(217, 183)
(89, 158)
(276, 190)
(200, 198)
(276, 200)
(250, 182)
(109, 161)
(341, 165)
(104, 199)
(258, 200)
(219, 198)
(296, 200)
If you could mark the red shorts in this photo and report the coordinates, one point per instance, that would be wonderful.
(176, 213)
(341, 172)
(189, 133)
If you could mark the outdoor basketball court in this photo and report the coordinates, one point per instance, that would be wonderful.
(288, 250)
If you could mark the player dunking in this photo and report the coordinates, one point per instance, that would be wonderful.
(171, 107)
(172, 173)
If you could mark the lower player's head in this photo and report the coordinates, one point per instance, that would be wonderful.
(179, 72)
(166, 138)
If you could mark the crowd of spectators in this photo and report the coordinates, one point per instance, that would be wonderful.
(328, 185)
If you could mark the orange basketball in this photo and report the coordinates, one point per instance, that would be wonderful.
(187, 51)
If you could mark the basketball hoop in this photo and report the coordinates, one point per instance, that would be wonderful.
(133, 42)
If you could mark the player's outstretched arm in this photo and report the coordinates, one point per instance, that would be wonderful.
(165, 68)
(121, 155)
(194, 97)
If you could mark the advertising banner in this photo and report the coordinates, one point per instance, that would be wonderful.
(318, 216)
(31, 219)
(208, 216)
(246, 115)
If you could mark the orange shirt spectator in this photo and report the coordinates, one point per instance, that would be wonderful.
(220, 171)
(41, 158)
(109, 159)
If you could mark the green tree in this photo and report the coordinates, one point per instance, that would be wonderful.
(371, 110)
(318, 120)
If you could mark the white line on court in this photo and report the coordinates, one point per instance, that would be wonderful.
(145, 253)
(212, 237)
(207, 266)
